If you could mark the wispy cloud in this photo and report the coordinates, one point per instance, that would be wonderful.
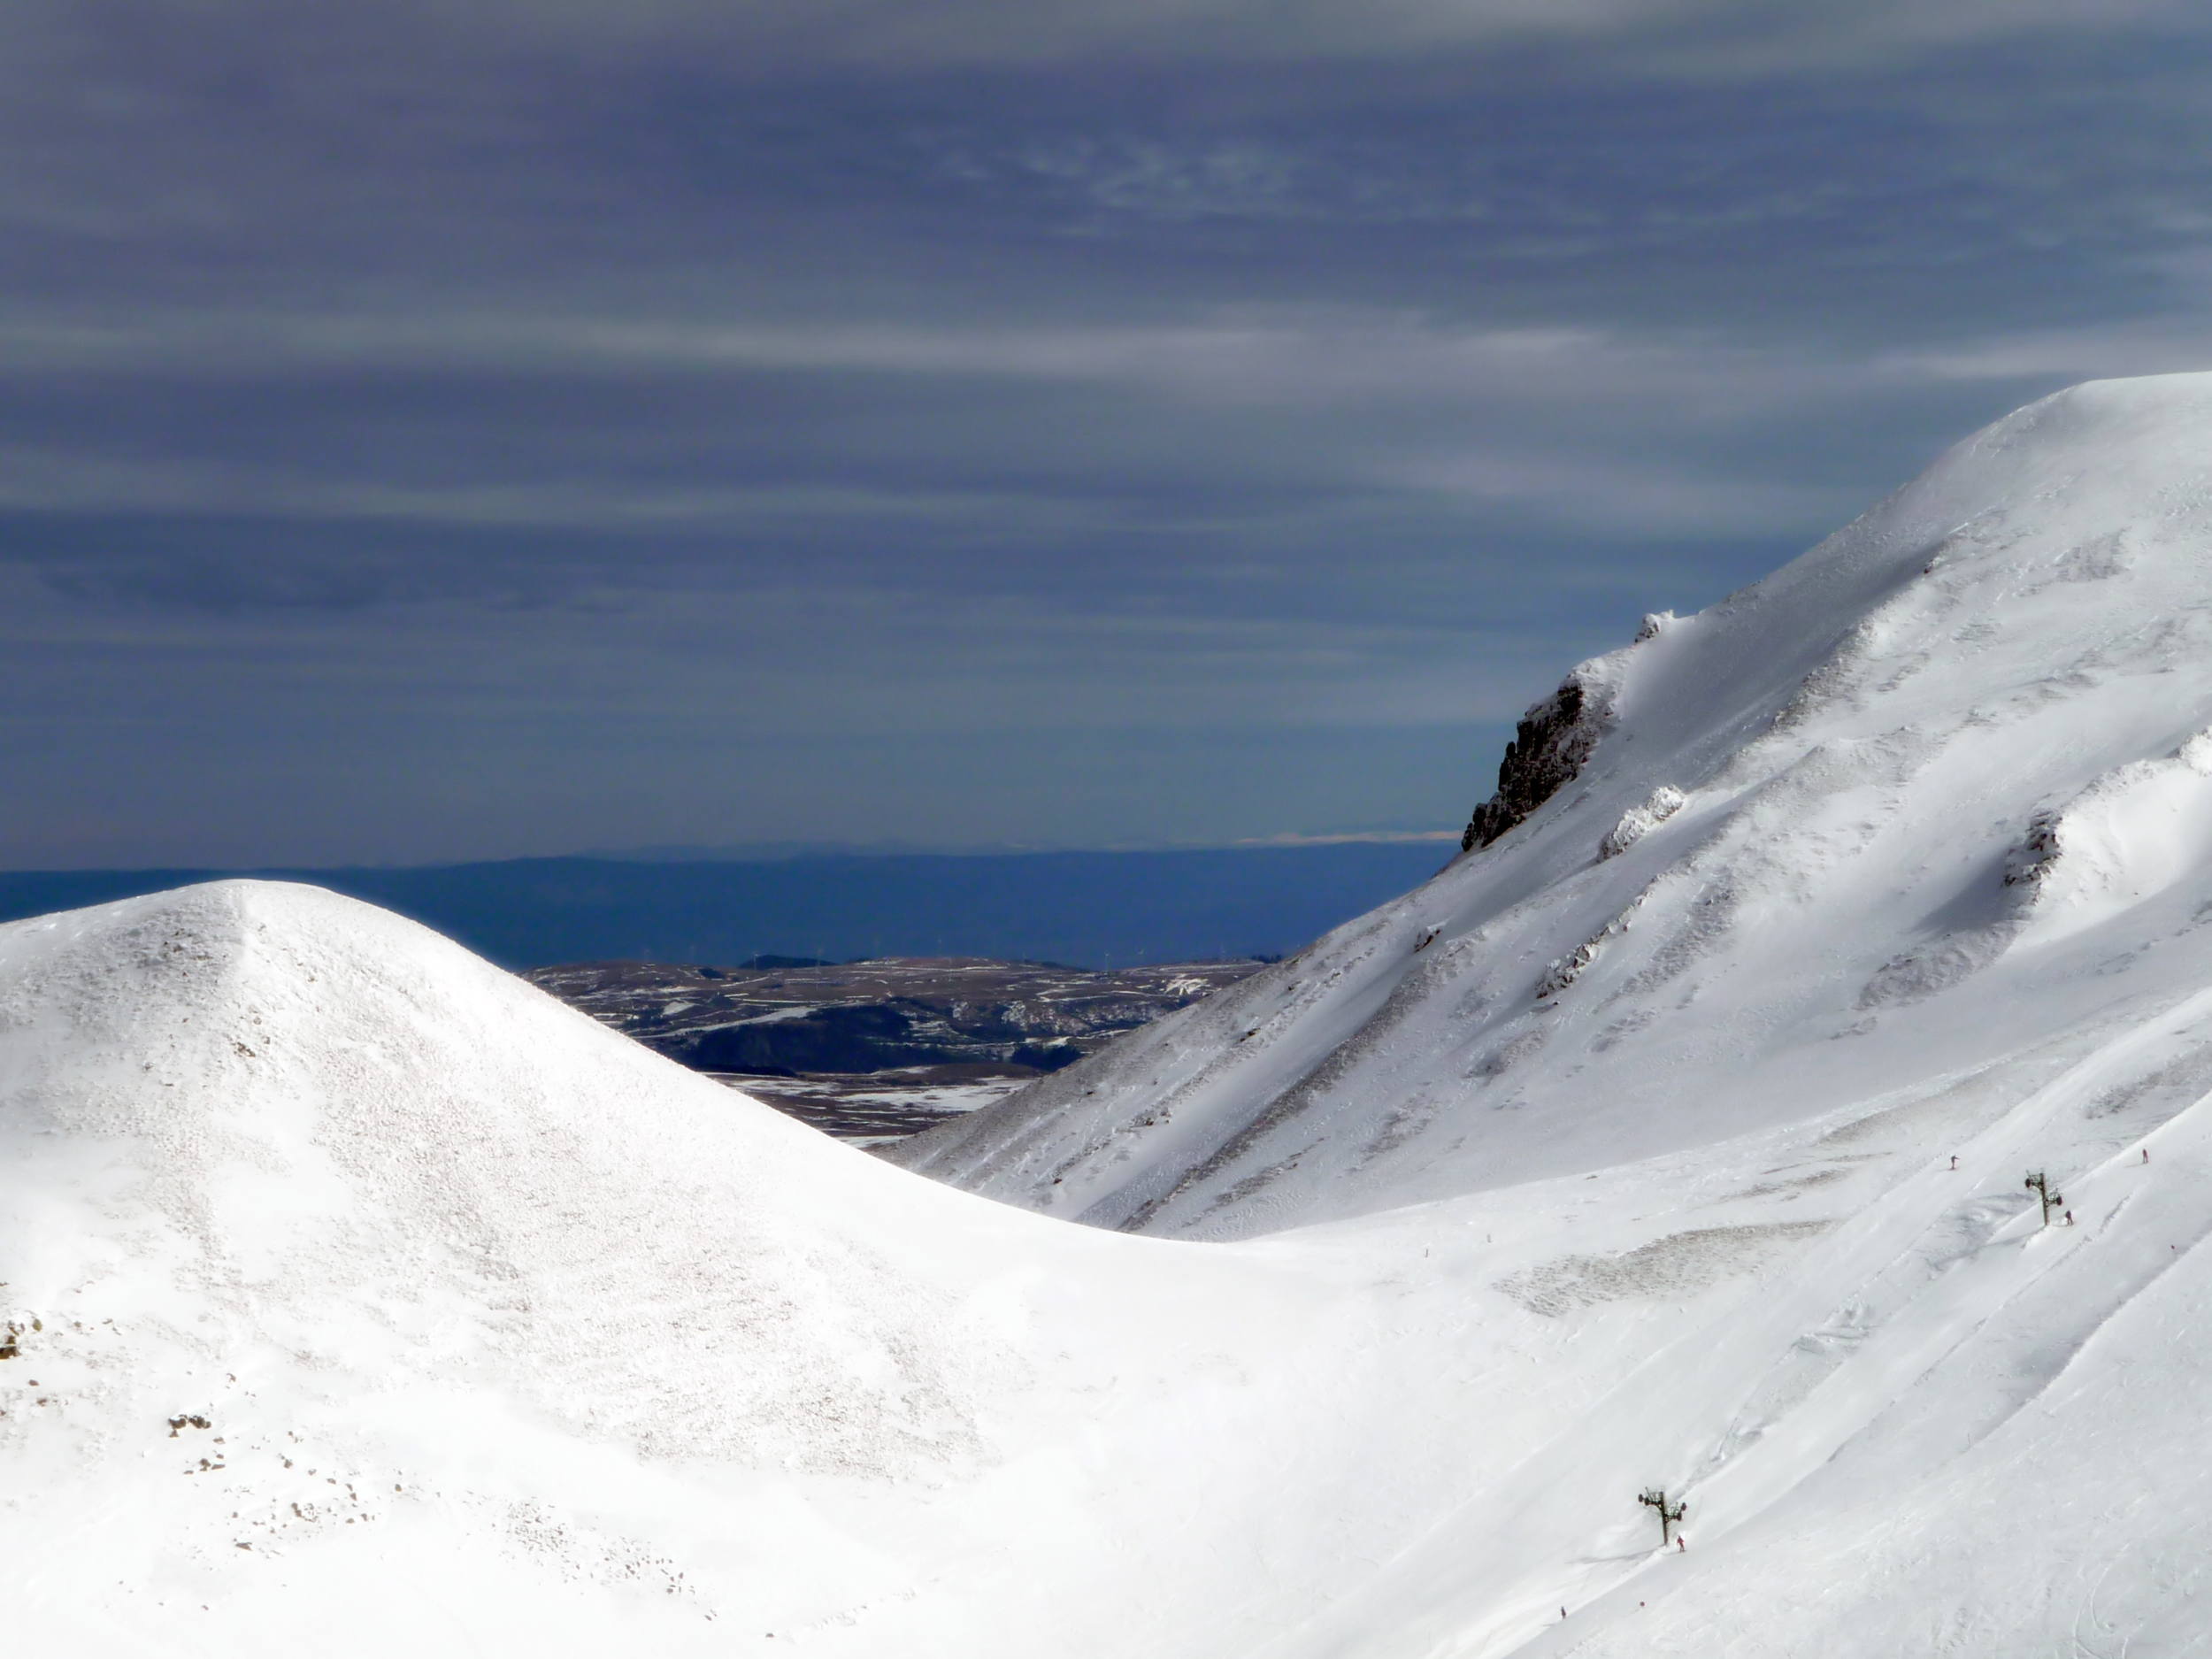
(1307, 353)
(1317, 427)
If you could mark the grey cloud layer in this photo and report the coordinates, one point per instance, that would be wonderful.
(501, 395)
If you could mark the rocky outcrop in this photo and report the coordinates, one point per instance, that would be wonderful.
(1549, 749)
(2036, 855)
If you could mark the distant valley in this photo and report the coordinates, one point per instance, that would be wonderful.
(873, 1051)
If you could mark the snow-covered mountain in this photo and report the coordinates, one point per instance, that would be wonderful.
(1931, 804)
(360, 1297)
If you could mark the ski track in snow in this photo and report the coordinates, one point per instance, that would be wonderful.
(356, 1294)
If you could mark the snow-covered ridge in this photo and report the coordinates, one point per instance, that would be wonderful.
(2130, 835)
(1784, 841)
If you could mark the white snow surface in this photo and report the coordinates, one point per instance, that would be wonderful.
(1564, 1177)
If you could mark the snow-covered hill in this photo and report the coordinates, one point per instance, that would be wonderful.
(362, 1297)
(359, 1294)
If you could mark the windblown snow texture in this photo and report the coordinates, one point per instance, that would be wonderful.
(359, 1297)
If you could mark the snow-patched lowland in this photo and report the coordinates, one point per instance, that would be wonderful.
(364, 1296)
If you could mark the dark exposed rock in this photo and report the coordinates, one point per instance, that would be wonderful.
(2029, 864)
(1549, 747)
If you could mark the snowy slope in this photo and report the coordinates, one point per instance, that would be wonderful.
(361, 1294)
(1934, 797)
(508, 1335)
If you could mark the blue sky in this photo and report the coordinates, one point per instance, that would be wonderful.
(467, 430)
